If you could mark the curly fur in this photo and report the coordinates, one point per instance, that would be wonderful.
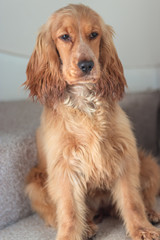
(88, 160)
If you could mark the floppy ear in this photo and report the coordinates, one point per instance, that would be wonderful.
(44, 78)
(112, 82)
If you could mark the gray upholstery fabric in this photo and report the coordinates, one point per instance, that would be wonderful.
(142, 109)
(18, 123)
(33, 228)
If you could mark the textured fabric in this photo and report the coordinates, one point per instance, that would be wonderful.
(33, 228)
(143, 110)
(18, 123)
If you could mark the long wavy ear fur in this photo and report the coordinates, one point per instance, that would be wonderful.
(112, 82)
(44, 78)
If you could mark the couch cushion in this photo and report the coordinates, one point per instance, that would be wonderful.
(143, 110)
(33, 228)
(18, 122)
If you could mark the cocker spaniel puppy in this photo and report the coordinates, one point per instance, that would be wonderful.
(88, 160)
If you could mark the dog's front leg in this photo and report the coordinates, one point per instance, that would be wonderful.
(128, 199)
(68, 196)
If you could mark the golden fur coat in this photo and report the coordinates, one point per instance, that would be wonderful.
(89, 164)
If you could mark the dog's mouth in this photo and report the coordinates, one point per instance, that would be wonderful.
(82, 80)
(76, 77)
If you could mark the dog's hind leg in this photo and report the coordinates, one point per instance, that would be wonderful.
(150, 184)
(37, 193)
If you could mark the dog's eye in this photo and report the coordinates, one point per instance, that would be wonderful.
(65, 37)
(93, 35)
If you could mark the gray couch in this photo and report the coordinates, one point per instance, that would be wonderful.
(18, 122)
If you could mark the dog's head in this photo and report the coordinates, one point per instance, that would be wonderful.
(74, 47)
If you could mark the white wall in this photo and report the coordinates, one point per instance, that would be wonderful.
(136, 23)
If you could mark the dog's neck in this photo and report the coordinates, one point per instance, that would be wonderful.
(82, 97)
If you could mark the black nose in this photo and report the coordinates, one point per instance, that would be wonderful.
(86, 66)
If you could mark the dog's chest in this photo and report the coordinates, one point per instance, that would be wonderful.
(94, 156)
(103, 163)
(94, 149)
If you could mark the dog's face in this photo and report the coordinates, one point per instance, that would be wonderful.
(78, 41)
(75, 46)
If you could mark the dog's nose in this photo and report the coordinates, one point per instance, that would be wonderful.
(86, 66)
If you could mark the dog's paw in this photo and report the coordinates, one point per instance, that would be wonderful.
(147, 234)
(153, 216)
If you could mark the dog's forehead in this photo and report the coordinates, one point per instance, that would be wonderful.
(77, 23)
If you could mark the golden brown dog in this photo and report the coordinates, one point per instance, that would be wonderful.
(88, 158)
